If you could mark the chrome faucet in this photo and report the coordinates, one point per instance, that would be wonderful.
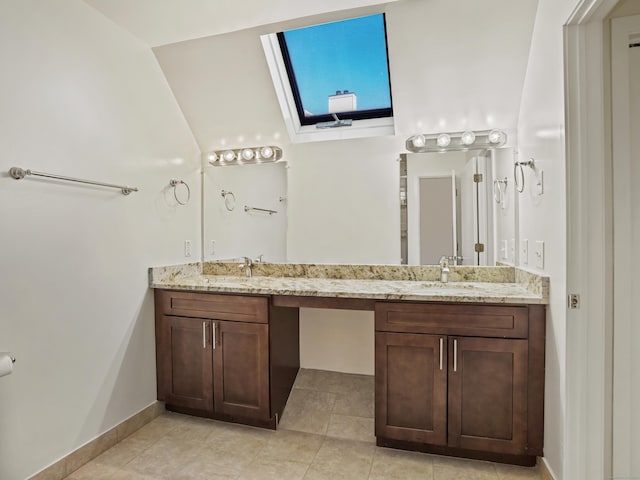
(247, 264)
(444, 269)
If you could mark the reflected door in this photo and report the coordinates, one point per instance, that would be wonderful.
(438, 223)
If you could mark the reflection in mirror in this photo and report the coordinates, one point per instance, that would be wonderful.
(448, 207)
(245, 212)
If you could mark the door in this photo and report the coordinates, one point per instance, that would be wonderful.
(241, 369)
(185, 376)
(488, 394)
(411, 387)
(626, 233)
(437, 218)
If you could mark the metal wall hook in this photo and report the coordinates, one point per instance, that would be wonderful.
(499, 190)
(174, 183)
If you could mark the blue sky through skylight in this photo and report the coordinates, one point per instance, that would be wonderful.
(346, 55)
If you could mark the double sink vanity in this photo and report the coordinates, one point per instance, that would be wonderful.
(459, 366)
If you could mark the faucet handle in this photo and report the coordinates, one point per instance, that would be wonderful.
(444, 261)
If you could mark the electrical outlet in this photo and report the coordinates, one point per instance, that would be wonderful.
(524, 252)
(539, 254)
(187, 248)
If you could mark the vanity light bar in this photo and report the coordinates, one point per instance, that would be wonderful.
(244, 156)
(447, 142)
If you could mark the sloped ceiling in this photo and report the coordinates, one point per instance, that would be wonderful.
(159, 22)
(455, 64)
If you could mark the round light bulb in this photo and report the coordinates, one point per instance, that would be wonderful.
(212, 157)
(468, 138)
(266, 152)
(419, 141)
(496, 136)
(229, 156)
(443, 140)
(247, 154)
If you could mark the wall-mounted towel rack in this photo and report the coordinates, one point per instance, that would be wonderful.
(19, 173)
(262, 210)
(174, 183)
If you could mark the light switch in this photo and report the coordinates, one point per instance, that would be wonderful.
(524, 252)
(187, 248)
(504, 250)
(539, 254)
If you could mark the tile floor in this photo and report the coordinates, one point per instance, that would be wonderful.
(325, 433)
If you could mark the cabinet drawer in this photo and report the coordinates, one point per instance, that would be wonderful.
(238, 308)
(449, 319)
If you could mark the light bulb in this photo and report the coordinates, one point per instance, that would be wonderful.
(496, 136)
(443, 140)
(229, 156)
(212, 157)
(419, 141)
(266, 152)
(247, 154)
(468, 137)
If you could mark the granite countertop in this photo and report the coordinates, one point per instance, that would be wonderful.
(503, 284)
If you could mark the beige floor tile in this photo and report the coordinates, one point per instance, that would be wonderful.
(308, 411)
(308, 399)
(400, 465)
(98, 471)
(203, 468)
(271, 469)
(343, 457)
(359, 403)
(163, 458)
(124, 452)
(352, 428)
(512, 472)
(445, 468)
(291, 445)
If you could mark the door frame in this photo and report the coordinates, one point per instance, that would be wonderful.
(623, 30)
(588, 420)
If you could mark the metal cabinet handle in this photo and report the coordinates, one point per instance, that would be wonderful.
(455, 355)
(204, 334)
(214, 336)
(441, 351)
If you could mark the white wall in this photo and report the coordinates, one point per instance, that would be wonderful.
(80, 97)
(541, 136)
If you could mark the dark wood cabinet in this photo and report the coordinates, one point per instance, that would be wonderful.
(213, 356)
(457, 392)
(411, 375)
(184, 362)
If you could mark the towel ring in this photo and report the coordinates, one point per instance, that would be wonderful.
(174, 183)
(518, 173)
(229, 200)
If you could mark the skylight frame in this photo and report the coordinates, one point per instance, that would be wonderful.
(298, 133)
(364, 114)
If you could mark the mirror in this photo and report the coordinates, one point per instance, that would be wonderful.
(245, 212)
(458, 205)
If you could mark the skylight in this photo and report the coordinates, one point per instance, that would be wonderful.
(338, 68)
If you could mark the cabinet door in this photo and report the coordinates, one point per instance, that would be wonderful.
(241, 369)
(411, 387)
(488, 394)
(185, 376)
